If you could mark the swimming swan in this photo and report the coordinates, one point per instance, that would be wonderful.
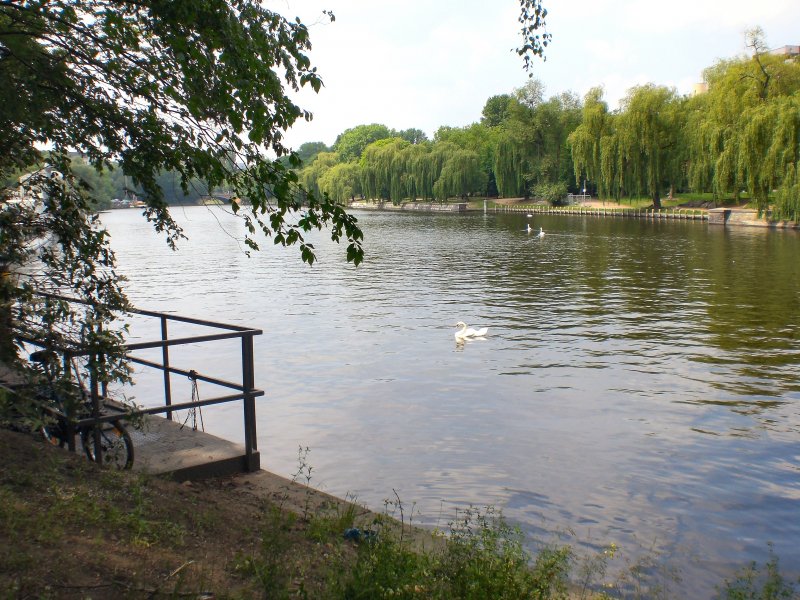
(464, 333)
(541, 232)
(529, 229)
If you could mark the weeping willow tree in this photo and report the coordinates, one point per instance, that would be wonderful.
(743, 133)
(613, 166)
(510, 164)
(425, 165)
(650, 127)
(638, 151)
(480, 138)
(341, 182)
(771, 145)
(417, 166)
(461, 175)
(382, 169)
(311, 175)
(585, 142)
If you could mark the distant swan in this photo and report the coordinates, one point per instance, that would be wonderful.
(541, 232)
(529, 229)
(464, 333)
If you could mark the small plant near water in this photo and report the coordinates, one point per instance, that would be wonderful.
(331, 520)
(303, 475)
(754, 582)
(481, 557)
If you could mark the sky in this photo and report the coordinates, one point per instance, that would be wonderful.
(429, 63)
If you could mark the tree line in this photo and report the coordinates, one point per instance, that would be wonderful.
(740, 137)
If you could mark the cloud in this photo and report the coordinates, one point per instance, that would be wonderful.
(424, 64)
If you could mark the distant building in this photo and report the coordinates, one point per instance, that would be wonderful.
(699, 88)
(787, 51)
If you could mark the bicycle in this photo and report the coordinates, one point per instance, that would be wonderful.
(69, 402)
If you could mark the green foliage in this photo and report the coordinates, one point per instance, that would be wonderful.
(268, 563)
(194, 89)
(351, 143)
(411, 135)
(311, 174)
(308, 151)
(760, 583)
(382, 169)
(531, 146)
(636, 152)
(552, 193)
(744, 132)
(495, 111)
(585, 141)
(534, 39)
(481, 558)
(342, 182)
(461, 175)
(331, 522)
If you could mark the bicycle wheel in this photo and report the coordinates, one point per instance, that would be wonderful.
(116, 444)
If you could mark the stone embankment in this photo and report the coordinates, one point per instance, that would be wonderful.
(734, 217)
(457, 207)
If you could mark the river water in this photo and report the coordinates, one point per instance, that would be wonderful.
(639, 384)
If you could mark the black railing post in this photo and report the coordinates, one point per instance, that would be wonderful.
(165, 362)
(69, 412)
(95, 395)
(252, 459)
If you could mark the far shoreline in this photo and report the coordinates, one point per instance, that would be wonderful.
(734, 216)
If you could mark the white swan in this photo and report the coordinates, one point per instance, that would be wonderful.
(529, 229)
(464, 333)
(541, 232)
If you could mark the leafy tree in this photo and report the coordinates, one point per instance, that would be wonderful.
(383, 169)
(316, 170)
(511, 164)
(308, 151)
(461, 175)
(743, 132)
(495, 111)
(534, 37)
(531, 145)
(413, 136)
(531, 94)
(650, 149)
(100, 187)
(420, 165)
(195, 88)
(342, 182)
(639, 151)
(585, 140)
(351, 143)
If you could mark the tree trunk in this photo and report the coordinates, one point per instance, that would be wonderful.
(8, 351)
(657, 201)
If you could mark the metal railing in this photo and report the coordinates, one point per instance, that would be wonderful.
(244, 391)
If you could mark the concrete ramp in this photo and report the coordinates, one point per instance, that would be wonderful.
(162, 447)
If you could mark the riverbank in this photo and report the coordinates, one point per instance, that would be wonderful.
(69, 529)
(739, 216)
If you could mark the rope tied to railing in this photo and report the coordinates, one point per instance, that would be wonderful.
(192, 414)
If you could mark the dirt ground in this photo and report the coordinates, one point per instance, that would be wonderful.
(69, 529)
